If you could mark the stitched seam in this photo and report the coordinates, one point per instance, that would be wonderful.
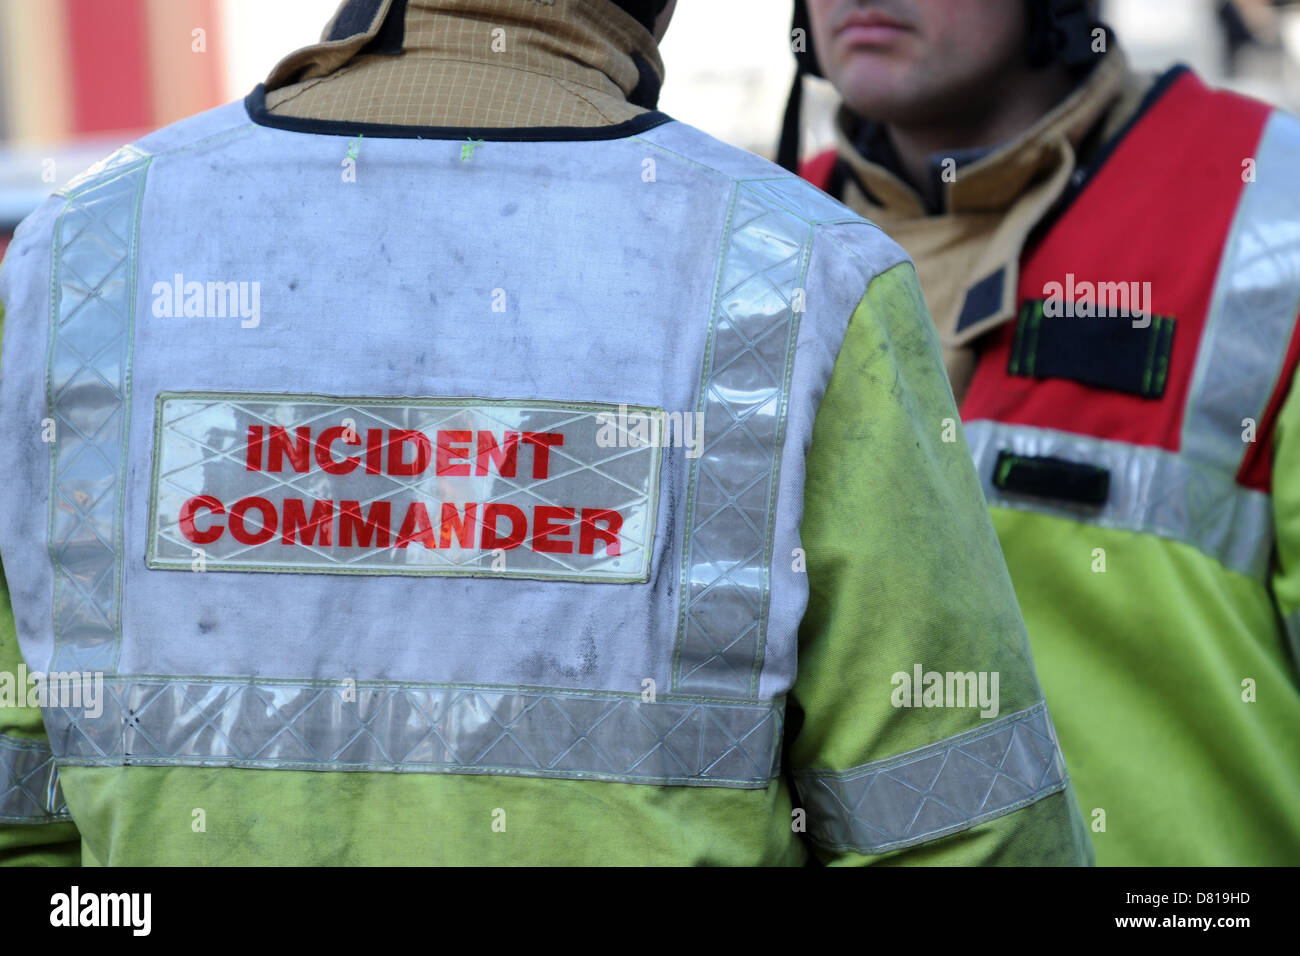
(562, 84)
(371, 767)
(1014, 367)
(49, 409)
(791, 348)
(133, 253)
(1020, 804)
(1036, 321)
(1167, 334)
(613, 696)
(911, 756)
(684, 592)
(1153, 340)
(312, 84)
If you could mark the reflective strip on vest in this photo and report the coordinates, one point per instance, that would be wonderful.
(1253, 308)
(936, 790)
(29, 783)
(295, 725)
(732, 498)
(1192, 495)
(89, 381)
(1151, 492)
(689, 736)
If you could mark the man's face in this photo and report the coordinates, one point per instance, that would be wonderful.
(916, 61)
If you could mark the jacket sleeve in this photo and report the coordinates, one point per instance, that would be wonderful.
(35, 827)
(1286, 525)
(907, 581)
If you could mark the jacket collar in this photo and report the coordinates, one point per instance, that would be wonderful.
(991, 180)
(492, 63)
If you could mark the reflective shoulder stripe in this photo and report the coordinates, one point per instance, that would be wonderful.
(88, 391)
(1192, 496)
(1253, 307)
(744, 387)
(29, 783)
(936, 790)
(1152, 491)
(295, 725)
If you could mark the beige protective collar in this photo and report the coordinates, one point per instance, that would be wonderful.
(486, 63)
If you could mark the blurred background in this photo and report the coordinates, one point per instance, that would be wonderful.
(80, 77)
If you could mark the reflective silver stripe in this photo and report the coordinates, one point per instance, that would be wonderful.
(87, 390)
(1253, 308)
(1152, 491)
(286, 725)
(29, 783)
(743, 393)
(937, 790)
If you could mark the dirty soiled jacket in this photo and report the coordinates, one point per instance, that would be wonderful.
(443, 457)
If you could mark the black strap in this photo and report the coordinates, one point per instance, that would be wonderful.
(1046, 477)
(1104, 351)
(787, 151)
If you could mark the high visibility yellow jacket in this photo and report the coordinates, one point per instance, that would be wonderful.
(581, 491)
(1119, 290)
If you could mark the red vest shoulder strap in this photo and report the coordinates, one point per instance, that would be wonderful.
(817, 169)
(1155, 218)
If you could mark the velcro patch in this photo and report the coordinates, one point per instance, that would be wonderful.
(1046, 477)
(461, 486)
(1104, 351)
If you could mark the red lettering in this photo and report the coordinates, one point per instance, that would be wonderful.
(187, 519)
(254, 461)
(416, 527)
(374, 450)
(378, 527)
(489, 452)
(397, 439)
(296, 522)
(462, 528)
(518, 527)
(589, 533)
(449, 453)
(268, 520)
(325, 457)
(543, 529)
(542, 442)
(299, 454)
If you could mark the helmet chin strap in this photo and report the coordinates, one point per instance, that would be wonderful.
(787, 150)
(646, 12)
(1061, 32)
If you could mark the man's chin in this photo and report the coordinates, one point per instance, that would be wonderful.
(876, 94)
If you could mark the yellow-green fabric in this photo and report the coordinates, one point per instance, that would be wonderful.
(52, 844)
(1286, 525)
(903, 568)
(1148, 667)
(1147, 694)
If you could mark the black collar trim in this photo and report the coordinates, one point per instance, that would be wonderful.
(255, 104)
